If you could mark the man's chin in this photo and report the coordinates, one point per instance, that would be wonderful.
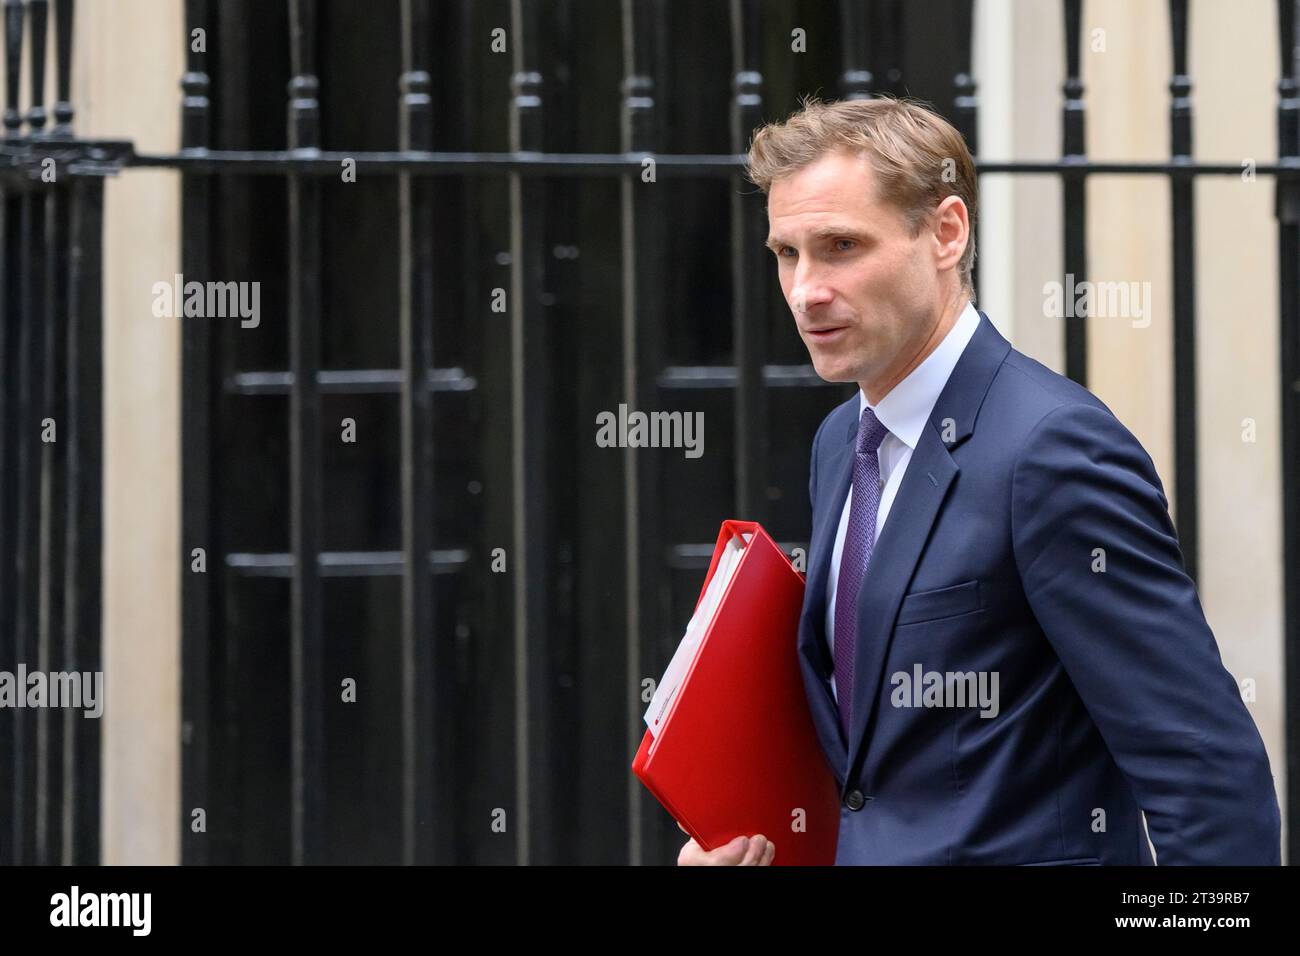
(834, 374)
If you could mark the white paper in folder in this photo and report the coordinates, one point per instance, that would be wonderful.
(695, 631)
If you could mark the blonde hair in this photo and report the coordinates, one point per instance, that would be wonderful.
(918, 157)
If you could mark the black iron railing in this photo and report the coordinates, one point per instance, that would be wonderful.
(522, 390)
(51, 461)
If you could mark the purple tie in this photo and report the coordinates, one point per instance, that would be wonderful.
(859, 541)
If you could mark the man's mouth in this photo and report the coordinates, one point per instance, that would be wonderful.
(826, 334)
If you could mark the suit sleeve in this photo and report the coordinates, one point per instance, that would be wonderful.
(1134, 640)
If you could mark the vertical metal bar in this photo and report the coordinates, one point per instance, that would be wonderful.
(1288, 271)
(530, 365)
(53, 509)
(231, 203)
(556, 758)
(63, 14)
(14, 262)
(43, 463)
(61, 276)
(421, 816)
(638, 105)
(61, 358)
(642, 216)
(1183, 202)
(196, 416)
(53, 494)
(855, 78)
(15, 14)
(886, 45)
(1074, 191)
(26, 438)
(8, 501)
(965, 102)
(36, 115)
(749, 269)
(84, 509)
(305, 317)
(486, 218)
(28, 772)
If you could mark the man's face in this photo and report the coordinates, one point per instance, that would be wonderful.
(865, 294)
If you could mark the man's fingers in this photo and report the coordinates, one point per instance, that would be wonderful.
(689, 855)
(757, 848)
(692, 854)
(741, 851)
(731, 854)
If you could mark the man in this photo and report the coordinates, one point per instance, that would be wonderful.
(1004, 657)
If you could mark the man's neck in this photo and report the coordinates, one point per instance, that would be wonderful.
(875, 392)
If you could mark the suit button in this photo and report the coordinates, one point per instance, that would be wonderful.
(855, 800)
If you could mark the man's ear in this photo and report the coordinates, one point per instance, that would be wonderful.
(950, 223)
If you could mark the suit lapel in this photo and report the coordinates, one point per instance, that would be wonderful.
(926, 482)
(837, 475)
(830, 502)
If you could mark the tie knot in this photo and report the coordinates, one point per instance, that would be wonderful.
(870, 432)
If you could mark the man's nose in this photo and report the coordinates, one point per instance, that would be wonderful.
(807, 293)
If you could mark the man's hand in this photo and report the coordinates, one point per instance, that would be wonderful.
(742, 851)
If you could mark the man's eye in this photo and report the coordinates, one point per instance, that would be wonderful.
(783, 250)
(844, 245)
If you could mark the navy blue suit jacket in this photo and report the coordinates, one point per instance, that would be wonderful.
(1030, 537)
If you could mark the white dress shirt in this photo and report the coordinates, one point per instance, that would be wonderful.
(904, 411)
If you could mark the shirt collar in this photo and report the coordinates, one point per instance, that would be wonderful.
(906, 409)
